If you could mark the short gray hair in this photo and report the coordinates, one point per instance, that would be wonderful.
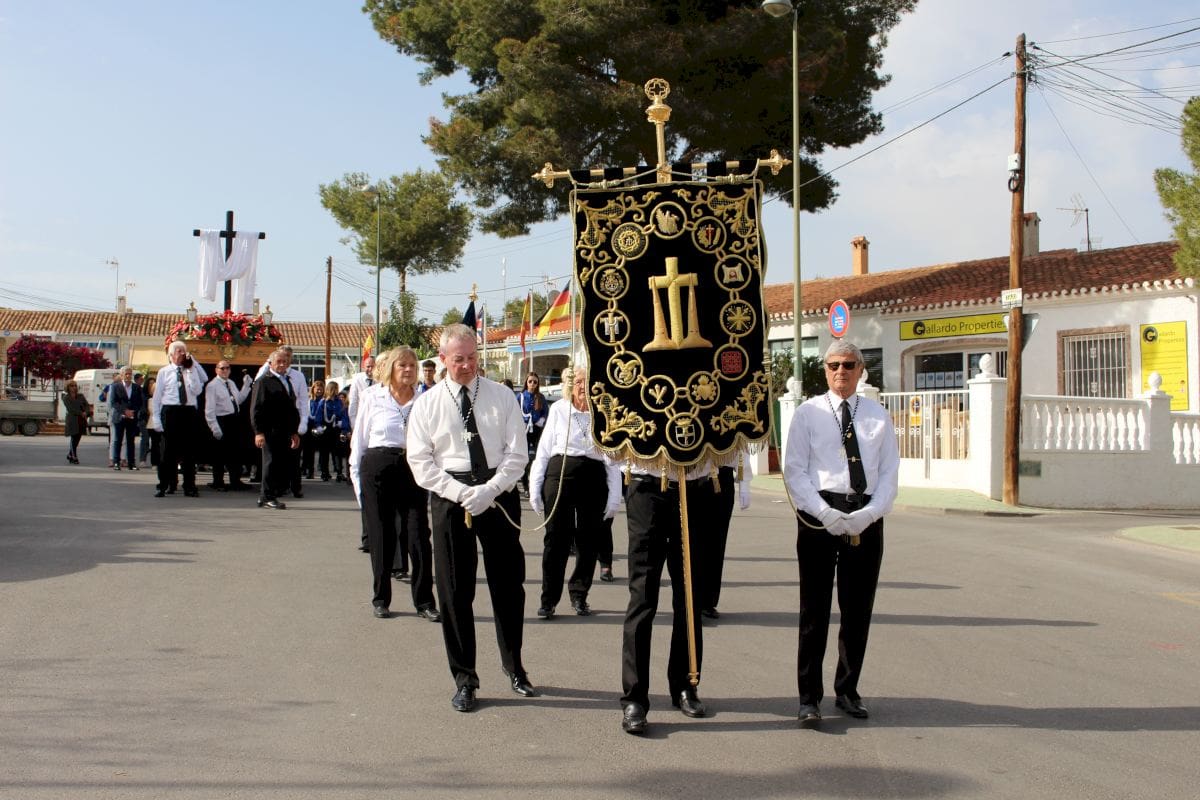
(841, 347)
(177, 345)
(280, 351)
(456, 332)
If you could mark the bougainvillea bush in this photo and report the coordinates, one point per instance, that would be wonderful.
(225, 328)
(49, 360)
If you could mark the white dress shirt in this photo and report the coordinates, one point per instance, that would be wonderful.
(382, 422)
(166, 388)
(222, 397)
(568, 432)
(815, 460)
(436, 445)
(299, 388)
(358, 384)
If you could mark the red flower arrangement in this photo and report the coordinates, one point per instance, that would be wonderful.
(225, 328)
(52, 360)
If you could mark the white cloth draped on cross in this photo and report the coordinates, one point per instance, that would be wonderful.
(241, 267)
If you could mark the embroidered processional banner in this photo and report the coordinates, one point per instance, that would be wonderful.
(670, 276)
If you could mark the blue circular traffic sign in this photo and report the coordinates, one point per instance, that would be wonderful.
(839, 318)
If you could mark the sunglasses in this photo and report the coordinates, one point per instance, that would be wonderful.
(832, 366)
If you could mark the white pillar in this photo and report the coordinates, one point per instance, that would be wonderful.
(787, 406)
(985, 456)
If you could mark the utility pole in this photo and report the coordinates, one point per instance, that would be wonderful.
(328, 323)
(1016, 185)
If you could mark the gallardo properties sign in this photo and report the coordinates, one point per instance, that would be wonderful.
(943, 327)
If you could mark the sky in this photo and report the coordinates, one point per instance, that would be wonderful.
(127, 125)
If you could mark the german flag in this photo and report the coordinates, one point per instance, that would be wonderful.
(559, 310)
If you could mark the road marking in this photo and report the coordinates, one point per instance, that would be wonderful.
(1191, 598)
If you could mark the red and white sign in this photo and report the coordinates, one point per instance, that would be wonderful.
(839, 318)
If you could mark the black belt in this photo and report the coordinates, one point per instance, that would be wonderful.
(845, 502)
(390, 451)
(672, 483)
(469, 477)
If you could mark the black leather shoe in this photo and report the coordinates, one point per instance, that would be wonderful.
(278, 505)
(363, 548)
(809, 714)
(159, 493)
(400, 574)
(431, 614)
(689, 703)
(464, 699)
(546, 612)
(582, 609)
(191, 493)
(852, 707)
(633, 719)
(381, 612)
(606, 574)
(172, 489)
(710, 613)
(297, 493)
(520, 684)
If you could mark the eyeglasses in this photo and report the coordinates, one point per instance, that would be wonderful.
(849, 366)
(224, 367)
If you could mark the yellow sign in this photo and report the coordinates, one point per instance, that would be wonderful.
(914, 411)
(943, 327)
(1164, 350)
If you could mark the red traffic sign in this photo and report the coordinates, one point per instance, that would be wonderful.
(839, 318)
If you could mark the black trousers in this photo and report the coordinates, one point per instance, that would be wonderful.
(455, 559)
(390, 495)
(604, 544)
(578, 516)
(329, 443)
(227, 451)
(279, 466)
(713, 508)
(179, 442)
(308, 448)
(655, 538)
(857, 570)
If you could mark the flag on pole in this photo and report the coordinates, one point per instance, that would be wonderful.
(558, 310)
(526, 321)
(368, 346)
(480, 323)
(469, 316)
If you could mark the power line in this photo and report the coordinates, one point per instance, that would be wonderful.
(1088, 169)
(1125, 32)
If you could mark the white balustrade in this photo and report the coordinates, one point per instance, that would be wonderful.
(1083, 424)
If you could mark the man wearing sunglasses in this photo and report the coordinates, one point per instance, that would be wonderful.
(840, 467)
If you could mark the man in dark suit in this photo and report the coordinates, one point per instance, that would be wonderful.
(125, 401)
(276, 425)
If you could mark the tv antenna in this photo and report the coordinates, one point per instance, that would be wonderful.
(1080, 209)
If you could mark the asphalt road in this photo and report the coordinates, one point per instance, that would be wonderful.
(198, 648)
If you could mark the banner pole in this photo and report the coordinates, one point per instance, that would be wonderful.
(693, 669)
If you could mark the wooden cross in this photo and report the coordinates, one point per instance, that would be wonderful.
(228, 235)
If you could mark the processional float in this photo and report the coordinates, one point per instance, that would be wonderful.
(669, 268)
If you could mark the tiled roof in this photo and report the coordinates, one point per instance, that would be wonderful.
(1049, 274)
(90, 324)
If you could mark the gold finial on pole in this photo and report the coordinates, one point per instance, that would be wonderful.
(474, 295)
(658, 113)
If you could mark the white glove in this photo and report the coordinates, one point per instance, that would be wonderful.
(247, 380)
(613, 506)
(834, 521)
(535, 502)
(217, 434)
(744, 494)
(859, 521)
(478, 499)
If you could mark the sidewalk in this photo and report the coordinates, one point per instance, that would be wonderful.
(1176, 531)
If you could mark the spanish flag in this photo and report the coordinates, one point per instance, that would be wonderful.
(368, 345)
(559, 310)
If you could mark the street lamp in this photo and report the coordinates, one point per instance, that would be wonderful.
(781, 8)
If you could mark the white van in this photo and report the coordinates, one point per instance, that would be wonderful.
(91, 383)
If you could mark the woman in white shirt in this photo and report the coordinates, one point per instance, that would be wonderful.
(383, 480)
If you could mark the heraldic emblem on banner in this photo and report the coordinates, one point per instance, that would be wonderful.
(671, 280)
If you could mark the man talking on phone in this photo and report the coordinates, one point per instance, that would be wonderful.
(176, 412)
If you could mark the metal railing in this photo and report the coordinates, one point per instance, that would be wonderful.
(930, 425)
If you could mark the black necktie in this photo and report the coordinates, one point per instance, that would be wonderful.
(232, 399)
(369, 381)
(288, 383)
(858, 476)
(182, 388)
(474, 443)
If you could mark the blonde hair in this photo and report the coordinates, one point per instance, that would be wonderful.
(385, 363)
(317, 390)
(331, 390)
